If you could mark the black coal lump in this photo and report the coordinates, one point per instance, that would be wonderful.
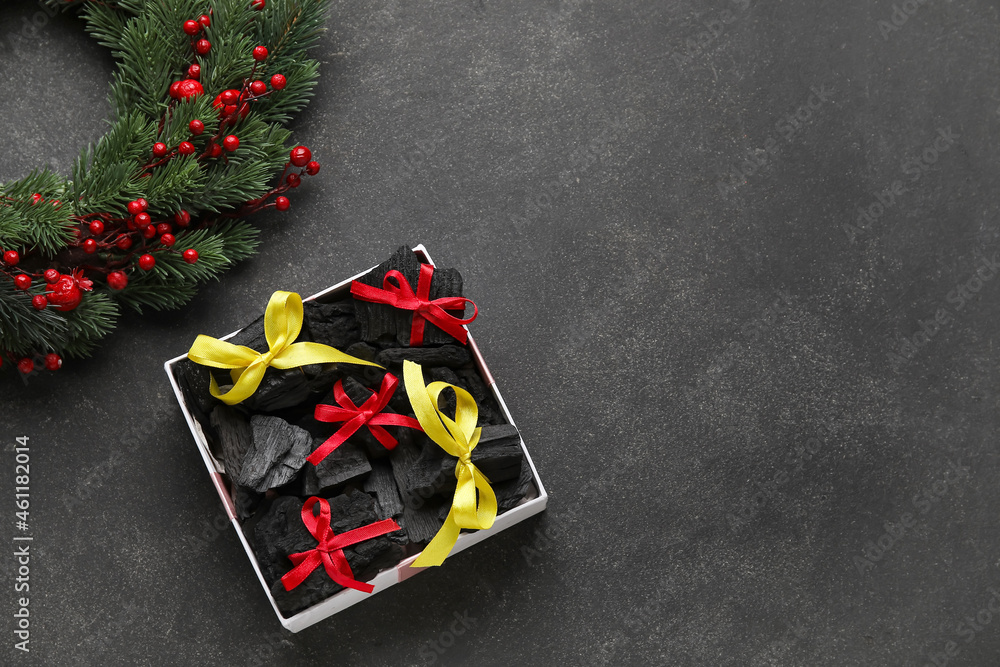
(377, 320)
(278, 452)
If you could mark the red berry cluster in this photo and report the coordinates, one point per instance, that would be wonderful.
(112, 244)
(26, 365)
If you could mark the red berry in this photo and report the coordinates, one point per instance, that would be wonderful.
(189, 88)
(53, 361)
(260, 53)
(202, 46)
(11, 258)
(196, 127)
(192, 27)
(138, 206)
(282, 203)
(278, 81)
(231, 143)
(215, 150)
(26, 366)
(159, 149)
(123, 243)
(258, 87)
(147, 262)
(312, 168)
(229, 108)
(143, 219)
(186, 148)
(300, 156)
(96, 227)
(182, 218)
(190, 255)
(117, 280)
(257, 4)
(194, 71)
(65, 294)
(174, 89)
(294, 180)
(35, 198)
(205, 20)
(163, 228)
(149, 231)
(22, 281)
(39, 302)
(51, 276)
(90, 246)
(168, 240)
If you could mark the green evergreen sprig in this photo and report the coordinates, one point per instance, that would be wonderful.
(73, 251)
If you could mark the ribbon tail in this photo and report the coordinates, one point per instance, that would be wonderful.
(340, 572)
(303, 354)
(442, 544)
(305, 564)
(244, 387)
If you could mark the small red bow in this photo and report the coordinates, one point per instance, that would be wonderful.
(370, 414)
(400, 295)
(330, 550)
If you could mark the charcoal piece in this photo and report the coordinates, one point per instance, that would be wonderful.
(246, 501)
(194, 381)
(278, 452)
(511, 492)
(419, 521)
(446, 401)
(346, 464)
(489, 410)
(252, 336)
(377, 320)
(452, 356)
(281, 533)
(421, 524)
(381, 484)
(362, 350)
(498, 456)
(332, 324)
(234, 435)
(279, 389)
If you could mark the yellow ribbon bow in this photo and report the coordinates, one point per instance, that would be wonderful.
(282, 323)
(458, 437)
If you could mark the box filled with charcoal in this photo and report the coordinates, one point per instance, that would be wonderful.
(356, 436)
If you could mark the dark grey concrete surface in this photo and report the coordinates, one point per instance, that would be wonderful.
(699, 361)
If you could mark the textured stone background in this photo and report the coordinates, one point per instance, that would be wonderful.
(699, 361)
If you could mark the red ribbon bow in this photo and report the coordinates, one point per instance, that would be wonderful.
(400, 295)
(330, 550)
(369, 414)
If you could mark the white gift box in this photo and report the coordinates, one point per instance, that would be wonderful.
(533, 503)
